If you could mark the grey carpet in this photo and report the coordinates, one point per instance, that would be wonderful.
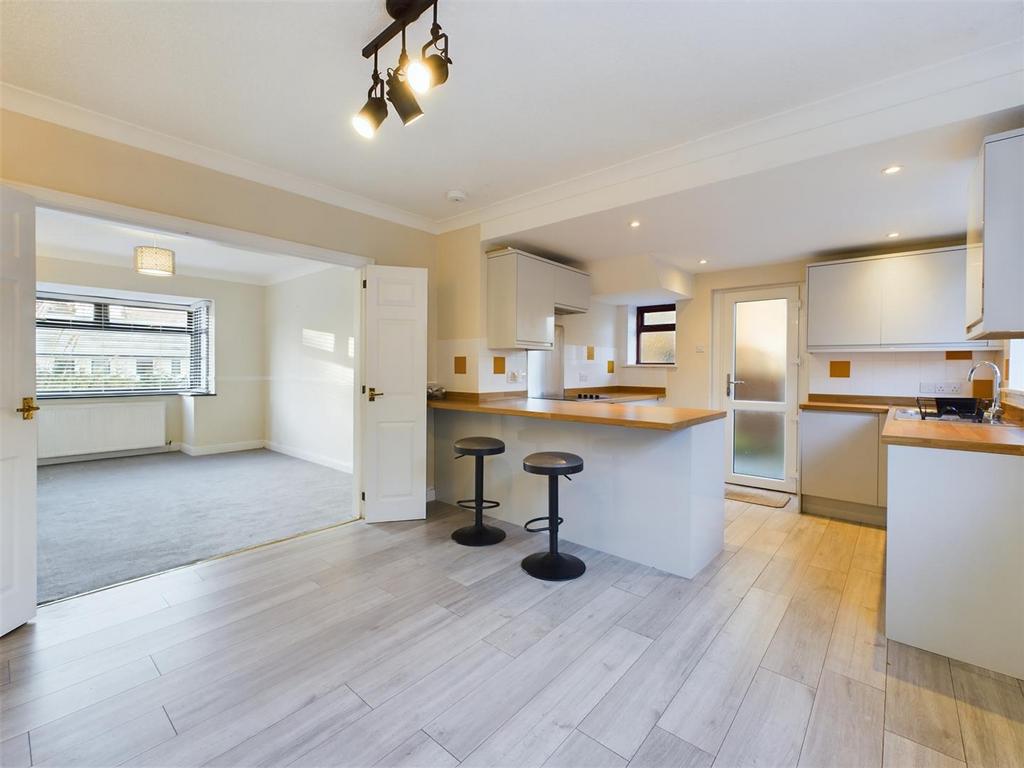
(102, 522)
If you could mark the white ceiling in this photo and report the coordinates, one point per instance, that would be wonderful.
(63, 235)
(800, 210)
(540, 92)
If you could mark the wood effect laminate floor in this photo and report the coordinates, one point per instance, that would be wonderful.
(391, 645)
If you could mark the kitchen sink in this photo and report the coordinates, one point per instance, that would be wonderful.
(913, 414)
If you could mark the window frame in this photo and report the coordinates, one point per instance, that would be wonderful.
(642, 327)
(101, 322)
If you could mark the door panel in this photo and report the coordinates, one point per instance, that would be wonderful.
(759, 376)
(18, 435)
(394, 423)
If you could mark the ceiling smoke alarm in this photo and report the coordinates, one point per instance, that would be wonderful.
(456, 196)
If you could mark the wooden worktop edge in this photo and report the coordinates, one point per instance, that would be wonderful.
(582, 417)
(976, 444)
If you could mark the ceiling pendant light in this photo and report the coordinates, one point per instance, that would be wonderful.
(428, 72)
(368, 119)
(399, 91)
(151, 260)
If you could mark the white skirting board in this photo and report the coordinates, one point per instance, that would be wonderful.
(206, 450)
(170, 447)
(314, 458)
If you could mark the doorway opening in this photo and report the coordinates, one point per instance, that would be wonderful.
(189, 415)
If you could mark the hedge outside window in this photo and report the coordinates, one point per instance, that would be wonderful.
(656, 334)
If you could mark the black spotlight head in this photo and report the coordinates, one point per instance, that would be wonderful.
(401, 97)
(438, 67)
(368, 119)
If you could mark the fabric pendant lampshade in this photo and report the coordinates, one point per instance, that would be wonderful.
(151, 260)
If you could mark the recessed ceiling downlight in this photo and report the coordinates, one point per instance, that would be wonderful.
(634, 224)
(703, 261)
(892, 170)
(893, 235)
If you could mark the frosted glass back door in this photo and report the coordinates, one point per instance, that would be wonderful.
(760, 386)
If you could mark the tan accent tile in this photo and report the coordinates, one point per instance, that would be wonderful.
(839, 369)
(499, 365)
(460, 364)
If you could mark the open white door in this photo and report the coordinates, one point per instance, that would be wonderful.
(394, 412)
(17, 401)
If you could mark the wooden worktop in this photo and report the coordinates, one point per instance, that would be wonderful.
(854, 403)
(658, 417)
(952, 435)
(844, 407)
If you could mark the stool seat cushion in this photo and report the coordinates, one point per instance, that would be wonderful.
(553, 463)
(479, 446)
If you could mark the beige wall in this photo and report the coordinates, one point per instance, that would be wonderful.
(236, 414)
(461, 284)
(46, 155)
(310, 368)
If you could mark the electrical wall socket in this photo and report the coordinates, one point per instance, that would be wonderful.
(583, 378)
(514, 377)
(941, 388)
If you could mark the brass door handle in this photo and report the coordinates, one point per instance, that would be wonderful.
(28, 408)
(374, 394)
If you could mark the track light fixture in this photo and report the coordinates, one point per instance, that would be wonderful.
(409, 77)
(368, 119)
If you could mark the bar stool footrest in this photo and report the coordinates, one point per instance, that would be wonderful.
(470, 504)
(528, 523)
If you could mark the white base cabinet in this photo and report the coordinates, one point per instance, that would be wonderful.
(955, 555)
(842, 465)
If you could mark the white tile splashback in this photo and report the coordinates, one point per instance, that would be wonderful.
(580, 372)
(479, 375)
(899, 374)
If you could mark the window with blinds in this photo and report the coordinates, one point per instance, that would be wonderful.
(91, 346)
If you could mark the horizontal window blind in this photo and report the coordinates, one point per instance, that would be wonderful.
(94, 346)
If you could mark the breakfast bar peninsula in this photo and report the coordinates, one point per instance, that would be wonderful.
(652, 485)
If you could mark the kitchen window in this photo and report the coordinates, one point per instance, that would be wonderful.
(656, 334)
(95, 346)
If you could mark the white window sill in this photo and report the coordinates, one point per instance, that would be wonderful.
(657, 366)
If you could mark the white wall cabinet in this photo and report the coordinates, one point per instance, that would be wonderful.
(572, 289)
(844, 304)
(995, 241)
(904, 301)
(920, 296)
(523, 292)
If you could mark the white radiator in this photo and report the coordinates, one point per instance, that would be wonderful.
(78, 430)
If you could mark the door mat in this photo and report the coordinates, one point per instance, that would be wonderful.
(757, 496)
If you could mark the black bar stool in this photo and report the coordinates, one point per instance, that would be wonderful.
(552, 565)
(478, 534)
